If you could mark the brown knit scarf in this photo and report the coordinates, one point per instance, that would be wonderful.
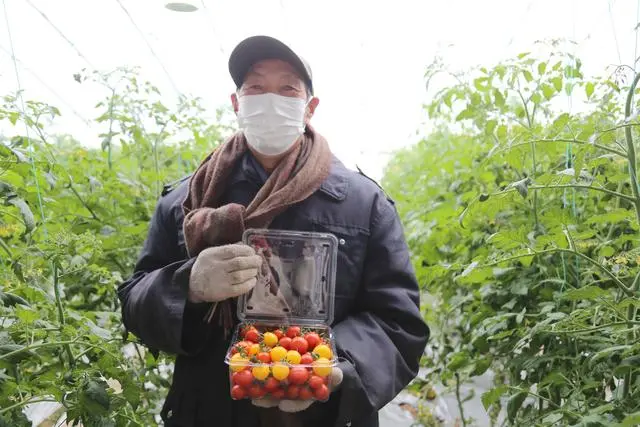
(207, 223)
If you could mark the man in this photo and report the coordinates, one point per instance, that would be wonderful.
(276, 172)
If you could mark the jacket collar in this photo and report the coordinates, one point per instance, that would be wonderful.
(334, 186)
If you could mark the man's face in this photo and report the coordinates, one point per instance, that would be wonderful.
(275, 76)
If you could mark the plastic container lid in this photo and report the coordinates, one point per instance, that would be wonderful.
(297, 282)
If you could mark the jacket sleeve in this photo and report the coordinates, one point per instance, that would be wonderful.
(154, 299)
(385, 337)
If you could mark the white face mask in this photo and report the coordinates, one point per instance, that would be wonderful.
(271, 123)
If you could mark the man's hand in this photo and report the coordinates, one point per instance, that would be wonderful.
(223, 272)
(335, 379)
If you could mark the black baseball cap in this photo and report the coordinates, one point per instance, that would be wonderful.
(257, 48)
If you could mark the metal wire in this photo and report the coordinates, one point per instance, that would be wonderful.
(55, 27)
(24, 119)
(153, 52)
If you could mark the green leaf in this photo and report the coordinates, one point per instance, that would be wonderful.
(492, 396)
(95, 398)
(557, 83)
(589, 88)
(27, 215)
(514, 405)
(467, 113)
(548, 91)
(499, 98)
(458, 361)
(585, 293)
(631, 420)
(542, 67)
(481, 366)
(527, 75)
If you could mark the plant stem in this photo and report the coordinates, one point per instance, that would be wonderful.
(574, 141)
(35, 346)
(459, 399)
(24, 403)
(61, 319)
(631, 150)
(583, 186)
(628, 291)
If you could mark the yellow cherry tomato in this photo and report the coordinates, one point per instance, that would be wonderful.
(278, 353)
(322, 367)
(280, 371)
(323, 350)
(254, 349)
(260, 372)
(293, 357)
(270, 339)
(238, 362)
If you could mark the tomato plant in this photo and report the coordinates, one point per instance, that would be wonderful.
(525, 237)
(72, 222)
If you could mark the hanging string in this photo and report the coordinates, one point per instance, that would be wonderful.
(24, 119)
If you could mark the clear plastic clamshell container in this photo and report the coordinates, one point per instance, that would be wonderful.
(283, 347)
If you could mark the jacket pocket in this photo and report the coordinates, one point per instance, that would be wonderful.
(352, 249)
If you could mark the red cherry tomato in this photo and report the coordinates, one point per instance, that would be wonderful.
(271, 384)
(316, 381)
(252, 335)
(241, 346)
(321, 393)
(300, 345)
(238, 392)
(305, 393)
(313, 339)
(256, 391)
(298, 375)
(278, 333)
(306, 359)
(293, 331)
(242, 378)
(278, 393)
(285, 342)
(264, 357)
(293, 391)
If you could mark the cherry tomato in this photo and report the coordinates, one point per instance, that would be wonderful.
(278, 333)
(261, 372)
(298, 375)
(271, 384)
(243, 378)
(280, 371)
(256, 391)
(238, 363)
(322, 392)
(305, 393)
(240, 347)
(264, 357)
(278, 393)
(245, 329)
(253, 349)
(238, 392)
(293, 391)
(293, 331)
(300, 345)
(315, 381)
(293, 357)
(323, 350)
(252, 335)
(269, 339)
(313, 339)
(306, 359)
(278, 353)
(285, 342)
(322, 367)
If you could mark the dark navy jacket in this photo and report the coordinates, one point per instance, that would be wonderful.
(379, 331)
